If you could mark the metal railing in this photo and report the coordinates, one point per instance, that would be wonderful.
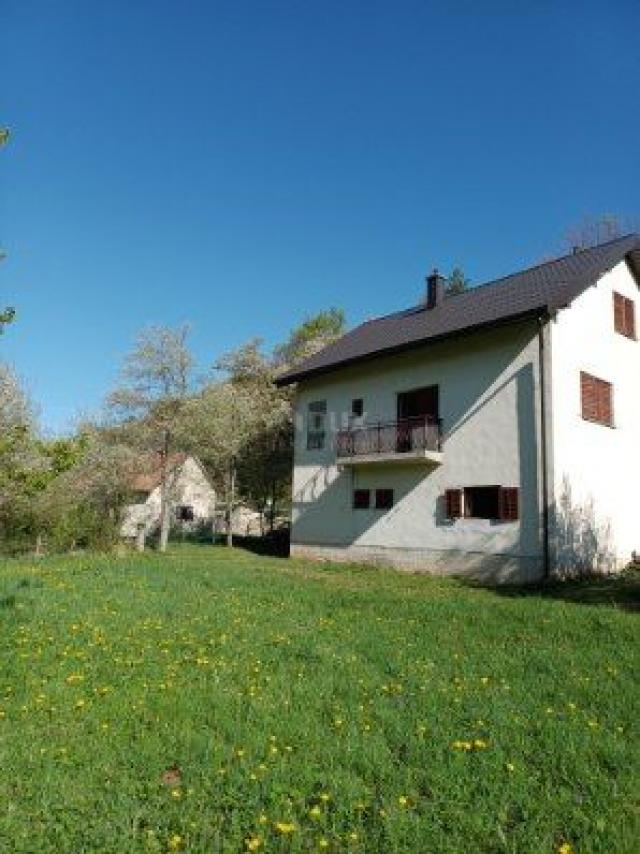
(390, 437)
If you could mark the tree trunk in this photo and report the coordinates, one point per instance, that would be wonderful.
(164, 493)
(272, 509)
(141, 537)
(230, 499)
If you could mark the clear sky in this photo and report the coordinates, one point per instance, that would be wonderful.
(243, 164)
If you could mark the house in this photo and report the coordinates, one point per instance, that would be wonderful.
(191, 496)
(494, 433)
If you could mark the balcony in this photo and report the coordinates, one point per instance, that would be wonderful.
(411, 440)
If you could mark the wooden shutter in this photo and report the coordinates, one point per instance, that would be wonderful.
(453, 503)
(597, 399)
(618, 313)
(630, 318)
(588, 397)
(624, 315)
(605, 404)
(509, 503)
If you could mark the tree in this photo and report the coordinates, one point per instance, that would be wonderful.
(457, 283)
(156, 382)
(8, 314)
(232, 416)
(594, 230)
(312, 335)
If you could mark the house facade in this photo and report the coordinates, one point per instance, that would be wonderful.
(192, 498)
(494, 433)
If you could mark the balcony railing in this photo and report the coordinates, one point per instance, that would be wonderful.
(410, 435)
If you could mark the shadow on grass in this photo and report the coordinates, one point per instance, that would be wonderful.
(618, 591)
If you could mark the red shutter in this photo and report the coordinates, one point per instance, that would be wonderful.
(509, 503)
(588, 397)
(605, 406)
(630, 318)
(618, 313)
(453, 502)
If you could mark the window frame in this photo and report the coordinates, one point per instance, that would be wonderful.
(459, 503)
(380, 504)
(355, 504)
(316, 436)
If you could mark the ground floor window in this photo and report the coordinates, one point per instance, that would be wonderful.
(361, 499)
(483, 502)
(384, 499)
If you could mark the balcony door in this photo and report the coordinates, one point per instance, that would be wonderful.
(414, 408)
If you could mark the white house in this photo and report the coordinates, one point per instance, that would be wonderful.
(494, 433)
(192, 498)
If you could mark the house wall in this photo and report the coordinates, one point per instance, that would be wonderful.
(489, 406)
(188, 486)
(596, 468)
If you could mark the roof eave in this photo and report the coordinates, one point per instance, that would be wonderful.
(298, 376)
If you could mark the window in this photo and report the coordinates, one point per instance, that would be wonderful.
(596, 399)
(484, 502)
(361, 499)
(357, 407)
(384, 499)
(184, 513)
(624, 315)
(316, 424)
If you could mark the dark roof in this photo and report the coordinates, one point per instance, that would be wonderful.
(536, 290)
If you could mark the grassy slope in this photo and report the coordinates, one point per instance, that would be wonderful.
(331, 699)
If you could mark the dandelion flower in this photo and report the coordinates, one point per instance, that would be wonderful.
(175, 842)
(253, 843)
(285, 827)
(315, 812)
(403, 801)
(565, 848)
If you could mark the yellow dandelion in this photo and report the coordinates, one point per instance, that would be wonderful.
(253, 843)
(325, 797)
(323, 843)
(175, 842)
(510, 767)
(315, 812)
(403, 801)
(285, 827)
(565, 848)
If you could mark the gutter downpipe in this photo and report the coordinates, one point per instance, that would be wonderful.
(543, 320)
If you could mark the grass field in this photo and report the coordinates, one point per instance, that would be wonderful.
(212, 700)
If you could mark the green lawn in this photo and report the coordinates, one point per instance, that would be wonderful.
(211, 700)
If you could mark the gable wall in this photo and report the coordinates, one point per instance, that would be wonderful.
(596, 468)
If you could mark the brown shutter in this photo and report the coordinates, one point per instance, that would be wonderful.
(618, 313)
(588, 395)
(509, 503)
(605, 405)
(453, 502)
(630, 318)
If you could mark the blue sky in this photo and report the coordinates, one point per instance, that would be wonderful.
(241, 165)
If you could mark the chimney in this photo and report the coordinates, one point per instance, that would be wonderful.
(435, 289)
